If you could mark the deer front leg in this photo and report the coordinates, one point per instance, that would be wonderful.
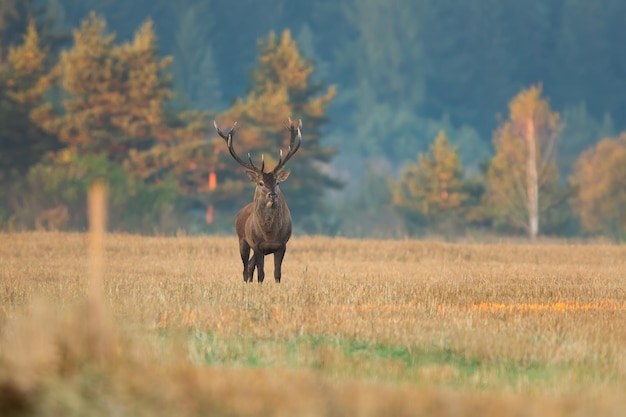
(259, 260)
(278, 261)
(251, 266)
(244, 250)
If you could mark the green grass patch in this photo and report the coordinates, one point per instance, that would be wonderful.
(384, 362)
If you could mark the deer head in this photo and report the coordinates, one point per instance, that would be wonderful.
(267, 183)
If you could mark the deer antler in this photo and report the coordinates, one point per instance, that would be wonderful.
(295, 132)
(228, 137)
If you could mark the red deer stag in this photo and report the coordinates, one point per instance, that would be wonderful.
(265, 224)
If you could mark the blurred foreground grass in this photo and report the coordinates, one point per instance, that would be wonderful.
(356, 328)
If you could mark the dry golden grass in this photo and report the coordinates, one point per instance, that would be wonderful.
(356, 328)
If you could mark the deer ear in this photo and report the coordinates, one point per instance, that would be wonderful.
(283, 175)
(252, 175)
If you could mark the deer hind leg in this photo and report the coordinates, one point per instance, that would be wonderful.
(278, 261)
(244, 250)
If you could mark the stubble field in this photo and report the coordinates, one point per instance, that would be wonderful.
(357, 327)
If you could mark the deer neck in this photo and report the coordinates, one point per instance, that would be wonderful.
(269, 215)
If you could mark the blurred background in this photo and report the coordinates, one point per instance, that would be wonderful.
(420, 118)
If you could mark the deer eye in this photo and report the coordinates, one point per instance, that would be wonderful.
(261, 183)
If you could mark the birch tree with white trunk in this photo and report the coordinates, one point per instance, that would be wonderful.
(523, 171)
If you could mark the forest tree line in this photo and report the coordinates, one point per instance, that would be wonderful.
(438, 98)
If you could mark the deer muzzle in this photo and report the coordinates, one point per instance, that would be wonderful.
(272, 197)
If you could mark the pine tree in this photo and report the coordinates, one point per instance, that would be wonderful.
(23, 84)
(117, 105)
(189, 157)
(282, 87)
(117, 93)
(600, 177)
(430, 193)
(12, 23)
(522, 177)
